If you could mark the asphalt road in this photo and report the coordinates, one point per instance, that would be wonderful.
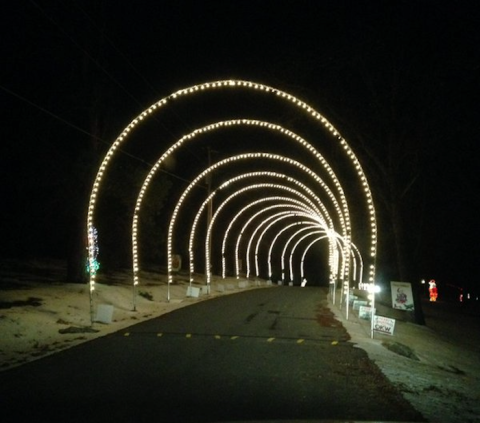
(273, 354)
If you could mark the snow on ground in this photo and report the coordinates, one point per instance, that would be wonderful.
(436, 367)
(40, 314)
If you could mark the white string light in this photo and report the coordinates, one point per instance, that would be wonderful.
(245, 85)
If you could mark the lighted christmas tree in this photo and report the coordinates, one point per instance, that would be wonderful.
(93, 252)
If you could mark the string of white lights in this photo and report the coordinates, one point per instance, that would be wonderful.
(244, 85)
(279, 204)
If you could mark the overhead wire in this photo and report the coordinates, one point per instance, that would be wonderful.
(51, 20)
(47, 16)
(139, 74)
(83, 131)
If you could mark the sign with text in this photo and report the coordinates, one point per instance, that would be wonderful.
(383, 325)
(365, 312)
(402, 297)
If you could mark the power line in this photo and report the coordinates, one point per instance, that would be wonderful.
(109, 40)
(85, 52)
(83, 131)
(124, 57)
(140, 75)
(58, 26)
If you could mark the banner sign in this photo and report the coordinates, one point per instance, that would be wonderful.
(402, 297)
(383, 325)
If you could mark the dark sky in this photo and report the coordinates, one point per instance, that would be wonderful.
(379, 70)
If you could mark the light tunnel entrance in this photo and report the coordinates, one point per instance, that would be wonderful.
(273, 175)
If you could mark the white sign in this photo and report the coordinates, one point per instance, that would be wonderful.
(358, 303)
(104, 313)
(402, 297)
(193, 291)
(383, 325)
(365, 312)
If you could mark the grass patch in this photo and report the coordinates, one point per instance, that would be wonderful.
(400, 349)
(146, 295)
(32, 301)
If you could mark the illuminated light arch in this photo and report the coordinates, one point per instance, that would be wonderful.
(292, 252)
(267, 224)
(340, 245)
(293, 205)
(360, 270)
(284, 250)
(318, 216)
(245, 156)
(226, 184)
(353, 250)
(343, 216)
(303, 208)
(302, 277)
(287, 243)
(225, 202)
(289, 206)
(323, 213)
(302, 274)
(232, 196)
(228, 84)
(248, 175)
(280, 232)
(278, 216)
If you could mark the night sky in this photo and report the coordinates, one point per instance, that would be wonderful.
(398, 79)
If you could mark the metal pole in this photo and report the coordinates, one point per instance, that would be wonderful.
(348, 298)
(91, 305)
(209, 216)
(134, 297)
(373, 310)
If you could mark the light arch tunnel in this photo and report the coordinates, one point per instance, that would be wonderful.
(319, 207)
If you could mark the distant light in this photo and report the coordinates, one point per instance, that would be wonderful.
(373, 289)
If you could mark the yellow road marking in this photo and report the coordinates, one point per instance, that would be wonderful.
(299, 341)
(234, 337)
(334, 342)
(217, 337)
(188, 335)
(270, 339)
(126, 334)
(159, 334)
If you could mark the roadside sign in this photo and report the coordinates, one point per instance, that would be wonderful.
(402, 297)
(383, 325)
(365, 312)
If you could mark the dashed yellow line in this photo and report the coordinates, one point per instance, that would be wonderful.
(234, 337)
